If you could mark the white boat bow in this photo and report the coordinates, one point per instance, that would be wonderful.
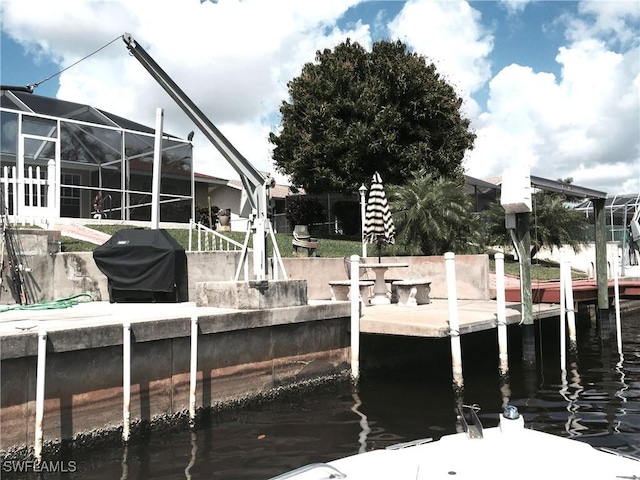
(509, 451)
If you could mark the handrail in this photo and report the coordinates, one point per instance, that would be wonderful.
(213, 241)
(335, 473)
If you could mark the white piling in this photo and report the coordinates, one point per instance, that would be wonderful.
(503, 354)
(355, 316)
(563, 316)
(40, 376)
(571, 314)
(193, 369)
(616, 293)
(454, 327)
(126, 380)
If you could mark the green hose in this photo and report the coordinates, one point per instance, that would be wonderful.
(64, 302)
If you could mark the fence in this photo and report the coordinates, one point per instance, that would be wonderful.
(37, 192)
(209, 240)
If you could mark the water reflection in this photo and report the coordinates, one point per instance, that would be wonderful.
(125, 463)
(192, 459)
(365, 430)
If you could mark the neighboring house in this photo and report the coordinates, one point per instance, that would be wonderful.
(57, 156)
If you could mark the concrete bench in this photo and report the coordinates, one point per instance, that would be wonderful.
(392, 288)
(413, 292)
(340, 290)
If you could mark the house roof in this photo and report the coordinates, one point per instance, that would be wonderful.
(29, 102)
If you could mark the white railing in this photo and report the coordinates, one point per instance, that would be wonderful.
(37, 193)
(209, 240)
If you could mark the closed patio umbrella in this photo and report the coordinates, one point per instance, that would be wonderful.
(378, 222)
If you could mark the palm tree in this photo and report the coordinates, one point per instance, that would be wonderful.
(433, 215)
(553, 224)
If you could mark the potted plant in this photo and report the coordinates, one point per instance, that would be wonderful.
(224, 219)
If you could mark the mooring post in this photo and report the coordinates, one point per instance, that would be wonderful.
(126, 380)
(571, 314)
(616, 297)
(355, 316)
(193, 370)
(503, 354)
(454, 327)
(40, 377)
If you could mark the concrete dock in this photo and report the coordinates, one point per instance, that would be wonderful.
(429, 320)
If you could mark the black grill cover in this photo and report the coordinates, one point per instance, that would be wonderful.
(143, 265)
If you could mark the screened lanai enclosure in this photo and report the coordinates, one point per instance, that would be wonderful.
(64, 159)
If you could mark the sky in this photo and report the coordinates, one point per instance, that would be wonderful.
(552, 85)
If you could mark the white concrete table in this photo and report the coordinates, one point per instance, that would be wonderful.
(380, 292)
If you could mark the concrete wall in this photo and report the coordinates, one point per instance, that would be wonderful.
(239, 355)
(77, 272)
(472, 274)
(59, 275)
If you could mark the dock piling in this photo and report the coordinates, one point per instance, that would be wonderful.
(126, 380)
(40, 384)
(503, 354)
(454, 327)
(355, 317)
(193, 370)
(571, 314)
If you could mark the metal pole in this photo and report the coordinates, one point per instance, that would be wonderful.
(193, 370)
(126, 380)
(157, 161)
(503, 354)
(454, 328)
(40, 377)
(355, 317)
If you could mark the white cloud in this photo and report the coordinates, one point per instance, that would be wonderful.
(232, 58)
(584, 124)
(451, 35)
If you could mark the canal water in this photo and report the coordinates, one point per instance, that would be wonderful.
(405, 393)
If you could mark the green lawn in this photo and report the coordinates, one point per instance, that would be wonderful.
(328, 247)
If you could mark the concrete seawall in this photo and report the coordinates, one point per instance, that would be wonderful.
(240, 353)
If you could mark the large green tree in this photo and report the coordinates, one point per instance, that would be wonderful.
(433, 215)
(353, 112)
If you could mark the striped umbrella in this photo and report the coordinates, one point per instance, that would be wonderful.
(378, 222)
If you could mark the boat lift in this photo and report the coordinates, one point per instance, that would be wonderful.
(256, 185)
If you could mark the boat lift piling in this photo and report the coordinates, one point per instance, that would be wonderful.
(503, 353)
(454, 327)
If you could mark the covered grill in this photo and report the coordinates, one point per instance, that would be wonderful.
(143, 266)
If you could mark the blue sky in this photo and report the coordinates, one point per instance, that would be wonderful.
(551, 84)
